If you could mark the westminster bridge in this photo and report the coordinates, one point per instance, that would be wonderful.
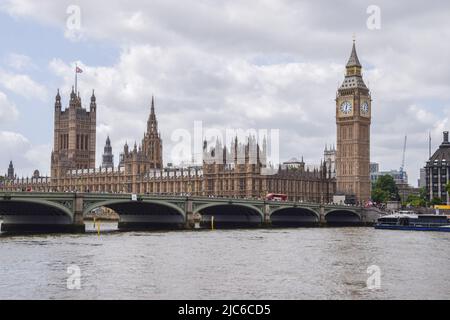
(34, 211)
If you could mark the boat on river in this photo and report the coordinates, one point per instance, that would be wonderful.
(408, 220)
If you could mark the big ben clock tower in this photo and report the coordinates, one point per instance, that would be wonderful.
(353, 109)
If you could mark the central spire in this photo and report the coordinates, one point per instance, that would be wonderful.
(353, 61)
(353, 75)
(152, 111)
(152, 123)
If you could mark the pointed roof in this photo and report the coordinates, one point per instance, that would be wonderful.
(353, 61)
(353, 79)
(152, 109)
(152, 124)
(72, 94)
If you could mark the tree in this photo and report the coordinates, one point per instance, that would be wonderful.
(385, 190)
(436, 201)
(379, 196)
(448, 187)
(415, 201)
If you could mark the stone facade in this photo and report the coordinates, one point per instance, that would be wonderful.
(353, 118)
(437, 171)
(240, 172)
(74, 136)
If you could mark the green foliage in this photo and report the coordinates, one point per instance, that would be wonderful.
(448, 187)
(436, 201)
(416, 201)
(385, 190)
(423, 193)
(380, 196)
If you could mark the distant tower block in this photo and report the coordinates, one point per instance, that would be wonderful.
(108, 157)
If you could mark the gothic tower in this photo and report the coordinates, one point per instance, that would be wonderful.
(108, 157)
(329, 156)
(10, 175)
(152, 142)
(74, 136)
(353, 116)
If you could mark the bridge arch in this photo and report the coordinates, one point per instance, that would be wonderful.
(143, 214)
(36, 215)
(110, 203)
(293, 216)
(231, 214)
(34, 207)
(342, 217)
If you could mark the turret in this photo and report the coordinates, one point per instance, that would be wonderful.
(93, 106)
(58, 102)
(108, 157)
(73, 97)
(152, 123)
(10, 171)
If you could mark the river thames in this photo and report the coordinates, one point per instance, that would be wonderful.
(303, 263)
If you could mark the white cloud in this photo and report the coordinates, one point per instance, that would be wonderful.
(39, 157)
(23, 85)
(12, 139)
(192, 85)
(26, 157)
(8, 111)
(18, 61)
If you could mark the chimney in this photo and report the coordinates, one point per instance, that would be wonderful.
(445, 136)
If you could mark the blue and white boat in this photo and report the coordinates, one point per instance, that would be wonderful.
(407, 220)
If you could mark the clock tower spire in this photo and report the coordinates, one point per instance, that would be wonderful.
(353, 118)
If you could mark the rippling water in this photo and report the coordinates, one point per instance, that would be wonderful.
(316, 263)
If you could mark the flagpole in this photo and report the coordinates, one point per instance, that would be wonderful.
(76, 76)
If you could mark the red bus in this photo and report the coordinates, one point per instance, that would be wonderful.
(276, 197)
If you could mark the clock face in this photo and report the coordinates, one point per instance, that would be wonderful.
(365, 108)
(346, 107)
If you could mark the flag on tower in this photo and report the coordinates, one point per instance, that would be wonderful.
(77, 71)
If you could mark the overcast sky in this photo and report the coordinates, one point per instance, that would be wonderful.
(231, 64)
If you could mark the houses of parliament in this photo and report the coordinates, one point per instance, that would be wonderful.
(141, 169)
